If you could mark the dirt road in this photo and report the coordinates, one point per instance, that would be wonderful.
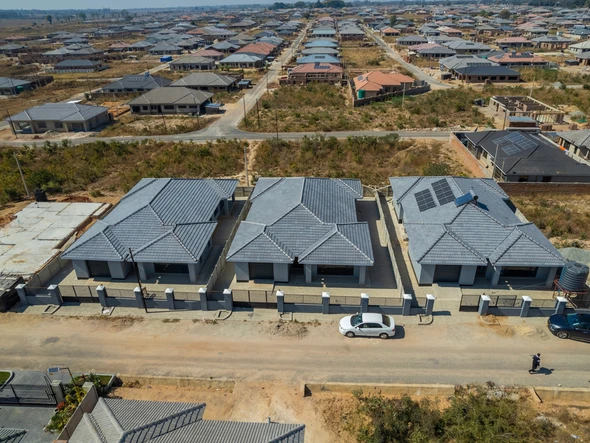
(249, 347)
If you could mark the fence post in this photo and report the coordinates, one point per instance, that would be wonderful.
(325, 302)
(526, 305)
(407, 305)
(560, 303)
(139, 297)
(280, 302)
(170, 298)
(55, 294)
(102, 295)
(58, 392)
(228, 300)
(364, 303)
(484, 304)
(203, 298)
(21, 290)
(429, 304)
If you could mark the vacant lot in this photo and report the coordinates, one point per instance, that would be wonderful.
(323, 107)
(563, 218)
(139, 125)
(371, 159)
(109, 167)
(356, 57)
(58, 90)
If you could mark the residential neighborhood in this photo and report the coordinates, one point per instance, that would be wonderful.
(294, 222)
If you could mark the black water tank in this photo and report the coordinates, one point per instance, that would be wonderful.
(573, 277)
(40, 195)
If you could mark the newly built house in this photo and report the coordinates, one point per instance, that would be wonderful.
(60, 117)
(167, 225)
(517, 156)
(464, 231)
(302, 225)
(171, 100)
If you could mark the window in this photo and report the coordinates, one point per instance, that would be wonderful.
(42, 125)
(169, 107)
(58, 125)
(386, 320)
(355, 320)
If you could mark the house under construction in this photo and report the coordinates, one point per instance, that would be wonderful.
(521, 106)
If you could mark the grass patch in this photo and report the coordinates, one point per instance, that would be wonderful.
(563, 218)
(115, 166)
(472, 414)
(371, 159)
(146, 125)
(325, 108)
(4, 375)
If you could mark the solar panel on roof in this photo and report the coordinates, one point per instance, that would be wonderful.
(514, 143)
(442, 190)
(424, 200)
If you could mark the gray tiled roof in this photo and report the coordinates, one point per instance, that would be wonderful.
(311, 219)
(169, 95)
(7, 82)
(161, 220)
(204, 79)
(139, 82)
(471, 234)
(65, 112)
(126, 421)
(8, 435)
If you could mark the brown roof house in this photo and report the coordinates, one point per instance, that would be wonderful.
(314, 73)
(377, 83)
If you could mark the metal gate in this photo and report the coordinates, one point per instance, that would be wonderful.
(27, 395)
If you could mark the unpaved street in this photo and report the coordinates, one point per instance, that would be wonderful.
(254, 347)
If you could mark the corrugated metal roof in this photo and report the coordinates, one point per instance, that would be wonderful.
(136, 421)
(161, 220)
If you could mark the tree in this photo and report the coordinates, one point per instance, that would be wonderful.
(505, 14)
(82, 16)
(392, 20)
(49, 19)
(299, 5)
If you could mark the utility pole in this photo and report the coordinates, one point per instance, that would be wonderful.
(136, 269)
(245, 116)
(10, 122)
(163, 119)
(495, 157)
(246, 163)
(258, 113)
(277, 123)
(533, 84)
(22, 176)
(403, 96)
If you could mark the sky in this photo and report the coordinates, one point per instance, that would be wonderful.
(123, 4)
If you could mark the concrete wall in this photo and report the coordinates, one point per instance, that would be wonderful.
(81, 268)
(467, 276)
(242, 271)
(475, 169)
(393, 389)
(119, 270)
(281, 272)
(545, 188)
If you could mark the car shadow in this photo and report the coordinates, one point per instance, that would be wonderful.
(400, 333)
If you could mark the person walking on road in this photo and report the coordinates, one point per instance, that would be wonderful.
(536, 363)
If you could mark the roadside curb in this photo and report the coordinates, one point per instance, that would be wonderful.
(540, 394)
(9, 379)
(203, 383)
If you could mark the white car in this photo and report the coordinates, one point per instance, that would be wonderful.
(367, 325)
